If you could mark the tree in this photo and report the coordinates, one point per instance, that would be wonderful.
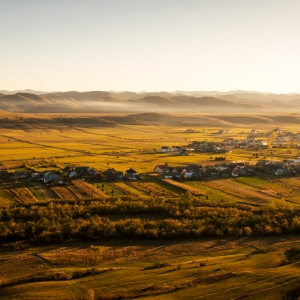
(96, 253)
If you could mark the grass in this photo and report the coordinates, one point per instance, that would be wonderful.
(208, 269)
(253, 268)
(5, 198)
(107, 188)
(34, 191)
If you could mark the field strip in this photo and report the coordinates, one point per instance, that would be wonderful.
(185, 187)
(42, 145)
(238, 191)
(261, 184)
(151, 189)
(289, 182)
(250, 284)
(6, 198)
(49, 194)
(106, 135)
(128, 190)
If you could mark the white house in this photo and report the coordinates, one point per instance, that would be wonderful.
(165, 149)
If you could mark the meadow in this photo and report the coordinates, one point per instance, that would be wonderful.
(56, 262)
(247, 268)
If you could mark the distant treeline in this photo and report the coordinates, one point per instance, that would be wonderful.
(188, 217)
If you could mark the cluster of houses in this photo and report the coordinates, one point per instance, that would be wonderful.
(232, 169)
(54, 177)
(255, 139)
(194, 171)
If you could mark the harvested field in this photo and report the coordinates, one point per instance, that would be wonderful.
(126, 189)
(78, 190)
(152, 189)
(63, 193)
(244, 193)
(271, 186)
(48, 193)
(130, 251)
(290, 183)
(5, 198)
(15, 265)
(86, 190)
(185, 187)
(19, 194)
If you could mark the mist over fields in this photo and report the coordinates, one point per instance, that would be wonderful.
(30, 101)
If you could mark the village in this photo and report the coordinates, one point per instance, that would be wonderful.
(274, 141)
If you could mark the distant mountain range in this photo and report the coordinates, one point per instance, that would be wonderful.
(30, 101)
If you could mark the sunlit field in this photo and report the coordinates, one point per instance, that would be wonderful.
(221, 264)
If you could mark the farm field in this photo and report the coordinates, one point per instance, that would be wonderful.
(123, 146)
(253, 268)
(145, 245)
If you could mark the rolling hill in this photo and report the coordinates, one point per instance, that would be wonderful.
(130, 102)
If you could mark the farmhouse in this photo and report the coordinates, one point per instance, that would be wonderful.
(161, 168)
(51, 176)
(165, 149)
(176, 148)
(131, 174)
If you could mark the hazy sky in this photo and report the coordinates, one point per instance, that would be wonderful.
(150, 45)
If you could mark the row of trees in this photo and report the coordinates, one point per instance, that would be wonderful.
(188, 217)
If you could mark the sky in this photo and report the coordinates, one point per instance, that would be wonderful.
(157, 45)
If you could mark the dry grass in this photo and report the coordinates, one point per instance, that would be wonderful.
(236, 191)
(152, 189)
(185, 187)
(19, 194)
(63, 193)
(78, 189)
(86, 190)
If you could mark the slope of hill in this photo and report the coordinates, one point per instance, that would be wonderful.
(101, 101)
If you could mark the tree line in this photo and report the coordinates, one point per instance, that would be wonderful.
(187, 217)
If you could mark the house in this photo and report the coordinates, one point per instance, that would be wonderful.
(67, 170)
(161, 168)
(92, 171)
(51, 176)
(279, 172)
(235, 172)
(120, 175)
(111, 174)
(82, 171)
(73, 174)
(184, 152)
(176, 148)
(21, 175)
(253, 131)
(188, 174)
(165, 149)
(227, 131)
(200, 173)
(131, 174)
(35, 175)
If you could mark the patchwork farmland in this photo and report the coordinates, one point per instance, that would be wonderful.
(84, 206)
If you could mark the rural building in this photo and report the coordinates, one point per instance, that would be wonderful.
(51, 176)
(165, 149)
(161, 168)
(131, 174)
